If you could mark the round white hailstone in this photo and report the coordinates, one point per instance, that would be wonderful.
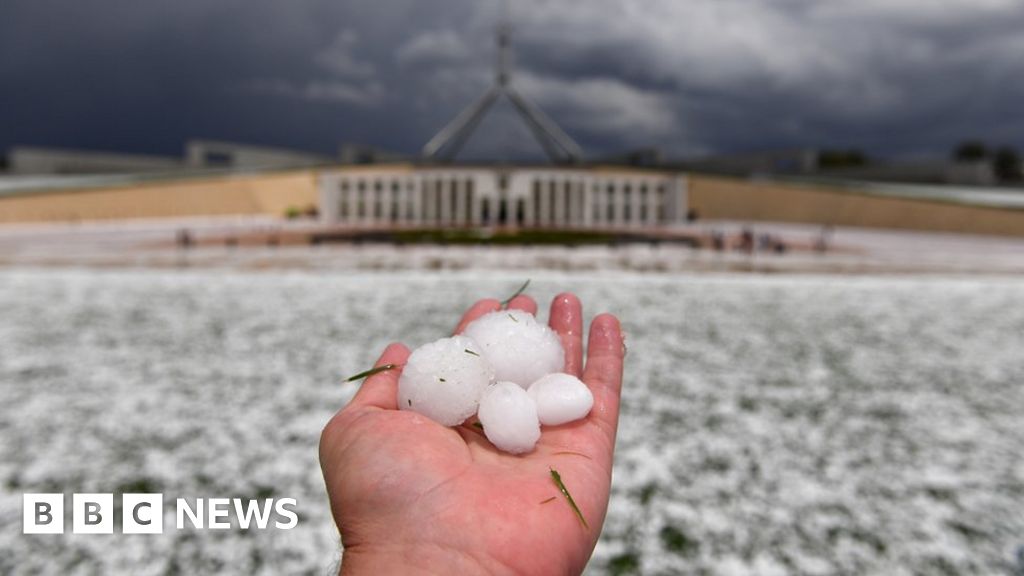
(509, 418)
(560, 398)
(519, 348)
(444, 380)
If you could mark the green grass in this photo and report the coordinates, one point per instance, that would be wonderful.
(625, 563)
(678, 542)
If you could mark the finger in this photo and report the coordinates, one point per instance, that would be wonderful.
(381, 389)
(524, 303)
(566, 318)
(603, 373)
(475, 311)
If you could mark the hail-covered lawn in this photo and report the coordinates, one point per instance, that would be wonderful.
(770, 425)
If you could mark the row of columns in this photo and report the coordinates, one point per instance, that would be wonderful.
(602, 201)
(520, 198)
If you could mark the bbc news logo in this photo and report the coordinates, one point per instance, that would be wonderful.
(144, 513)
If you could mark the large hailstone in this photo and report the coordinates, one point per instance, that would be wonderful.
(560, 398)
(444, 380)
(520, 349)
(509, 418)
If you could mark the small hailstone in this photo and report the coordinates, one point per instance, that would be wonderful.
(444, 380)
(560, 398)
(509, 418)
(520, 348)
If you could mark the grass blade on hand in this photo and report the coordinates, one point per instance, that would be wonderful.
(371, 372)
(557, 479)
(505, 302)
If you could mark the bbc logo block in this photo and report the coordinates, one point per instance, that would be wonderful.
(91, 513)
(43, 514)
(142, 513)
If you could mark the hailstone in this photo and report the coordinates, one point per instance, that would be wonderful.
(560, 398)
(443, 380)
(520, 348)
(509, 418)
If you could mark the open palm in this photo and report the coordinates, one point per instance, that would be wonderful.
(412, 496)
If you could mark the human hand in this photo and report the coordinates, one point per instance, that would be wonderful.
(410, 496)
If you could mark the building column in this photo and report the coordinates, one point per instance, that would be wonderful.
(534, 201)
(436, 191)
(404, 199)
(681, 203)
(350, 200)
(635, 199)
(588, 202)
(476, 200)
(581, 201)
(619, 216)
(385, 195)
(652, 202)
(539, 190)
(444, 185)
(461, 197)
(427, 199)
(559, 195)
(572, 192)
(329, 196)
(371, 203)
(376, 206)
(416, 199)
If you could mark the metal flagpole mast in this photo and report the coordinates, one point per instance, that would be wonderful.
(558, 145)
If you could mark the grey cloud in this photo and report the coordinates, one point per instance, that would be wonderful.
(432, 48)
(339, 58)
(369, 94)
(897, 76)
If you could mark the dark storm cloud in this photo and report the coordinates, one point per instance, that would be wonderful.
(892, 76)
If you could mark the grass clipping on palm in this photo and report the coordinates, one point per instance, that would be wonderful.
(371, 372)
(557, 479)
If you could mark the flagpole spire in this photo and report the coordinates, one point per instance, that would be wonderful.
(558, 145)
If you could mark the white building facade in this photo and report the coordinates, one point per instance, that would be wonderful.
(405, 196)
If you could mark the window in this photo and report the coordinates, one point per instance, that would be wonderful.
(644, 211)
(343, 201)
(217, 158)
(361, 208)
(396, 201)
(627, 203)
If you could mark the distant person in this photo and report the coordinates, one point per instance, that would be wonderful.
(718, 240)
(747, 240)
(824, 237)
(692, 215)
(410, 496)
(184, 238)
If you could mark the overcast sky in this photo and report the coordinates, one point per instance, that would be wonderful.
(894, 77)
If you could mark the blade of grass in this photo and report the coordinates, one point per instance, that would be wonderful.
(557, 479)
(371, 372)
(505, 302)
(571, 453)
